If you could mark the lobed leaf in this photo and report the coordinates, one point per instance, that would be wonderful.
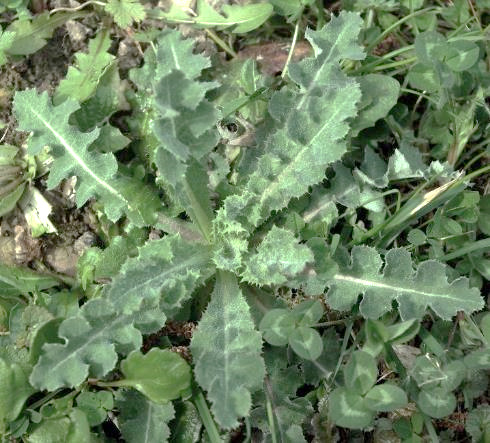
(170, 267)
(309, 120)
(278, 258)
(96, 173)
(125, 12)
(414, 291)
(92, 340)
(82, 79)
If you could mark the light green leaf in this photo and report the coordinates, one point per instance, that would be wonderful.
(479, 359)
(6, 40)
(14, 391)
(424, 78)
(95, 405)
(141, 420)
(82, 79)
(71, 428)
(125, 12)
(462, 55)
(36, 211)
(436, 402)
(169, 267)
(92, 340)
(278, 258)
(8, 202)
(106, 99)
(110, 139)
(308, 313)
(24, 280)
(385, 398)
(309, 118)
(347, 409)
(243, 18)
(227, 353)
(379, 95)
(277, 325)
(185, 127)
(428, 286)
(161, 375)
(478, 421)
(96, 173)
(360, 372)
(306, 342)
(32, 34)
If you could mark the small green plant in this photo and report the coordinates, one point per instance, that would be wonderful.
(318, 274)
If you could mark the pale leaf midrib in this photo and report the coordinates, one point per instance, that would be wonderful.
(376, 284)
(190, 263)
(284, 172)
(79, 159)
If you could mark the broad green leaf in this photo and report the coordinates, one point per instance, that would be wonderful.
(32, 34)
(96, 173)
(8, 201)
(143, 421)
(462, 55)
(82, 79)
(110, 139)
(360, 372)
(379, 95)
(125, 12)
(424, 78)
(71, 428)
(308, 313)
(277, 325)
(227, 353)
(161, 375)
(289, 410)
(279, 257)
(436, 402)
(306, 342)
(478, 423)
(243, 18)
(95, 405)
(347, 409)
(385, 398)
(14, 391)
(309, 118)
(169, 268)
(187, 425)
(92, 340)
(428, 286)
(185, 127)
(6, 40)
(479, 359)
(20, 280)
(44, 333)
(107, 98)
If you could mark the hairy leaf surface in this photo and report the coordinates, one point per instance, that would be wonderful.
(143, 421)
(414, 291)
(170, 267)
(96, 173)
(278, 258)
(312, 122)
(227, 353)
(91, 342)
